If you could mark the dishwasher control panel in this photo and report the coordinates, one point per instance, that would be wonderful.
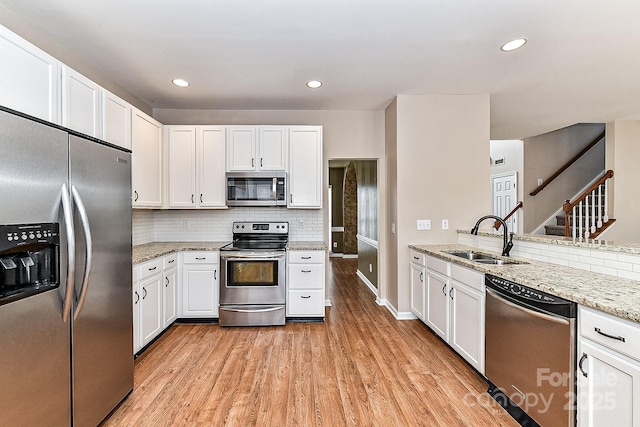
(530, 296)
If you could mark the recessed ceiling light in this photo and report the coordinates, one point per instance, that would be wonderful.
(513, 44)
(314, 84)
(180, 82)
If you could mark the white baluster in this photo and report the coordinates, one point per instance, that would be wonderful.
(606, 202)
(599, 206)
(573, 222)
(586, 218)
(593, 211)
(579, 219)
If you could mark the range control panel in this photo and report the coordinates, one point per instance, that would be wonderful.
(261, 227)
(14, 235)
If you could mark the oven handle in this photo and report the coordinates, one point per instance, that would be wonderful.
(544, 316)
(235, 257)
(262, 310)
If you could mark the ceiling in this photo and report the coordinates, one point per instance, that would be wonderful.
(581, 63)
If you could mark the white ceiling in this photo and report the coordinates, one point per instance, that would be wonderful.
(581, 64)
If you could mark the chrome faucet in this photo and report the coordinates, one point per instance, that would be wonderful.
(506, 245)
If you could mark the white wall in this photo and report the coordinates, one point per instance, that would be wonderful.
(442, 146)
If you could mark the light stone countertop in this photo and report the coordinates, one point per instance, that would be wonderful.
(617, 296)
(307, 246)
(149, 251)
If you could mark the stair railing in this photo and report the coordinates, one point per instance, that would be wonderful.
(595, 214)
(497, 223)
(566, 165)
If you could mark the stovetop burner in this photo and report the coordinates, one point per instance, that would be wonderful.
(258, 236)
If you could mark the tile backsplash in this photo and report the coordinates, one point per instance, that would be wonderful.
(613, 263)
(215, 225)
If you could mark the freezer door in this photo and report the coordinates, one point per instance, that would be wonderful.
(103, 321)
(34, 340)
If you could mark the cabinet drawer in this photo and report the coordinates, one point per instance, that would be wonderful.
(439, 265)
(306, 276)
(200, 257)
(170, 261)
(417, 257)
(467, 276)
(305, 303)
(623, 335)
(306, 257)
(150, 268)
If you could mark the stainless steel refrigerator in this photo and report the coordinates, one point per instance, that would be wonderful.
(66, 334)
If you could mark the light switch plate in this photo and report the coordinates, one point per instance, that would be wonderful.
(445, 224)
(424, 224)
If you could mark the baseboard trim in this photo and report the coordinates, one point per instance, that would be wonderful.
(366, 281)
(327, 303)
(349, 255)
(402, 315)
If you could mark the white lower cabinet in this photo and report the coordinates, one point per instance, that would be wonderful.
(418, 281)
(169, 290)
(150, 289)
(608, 372)
(200, 284)
(305, 284)
(136, 311)
(454, 306)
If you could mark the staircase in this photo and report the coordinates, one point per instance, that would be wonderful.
(587, 215)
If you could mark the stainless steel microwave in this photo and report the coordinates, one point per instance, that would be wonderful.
(256, 189)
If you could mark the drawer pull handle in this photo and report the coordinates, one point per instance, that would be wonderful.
(422, 277)
(201, 258)
(306, 257)
(144, 295)
(306, 271)
(137, 297)
(153, 268)
(307, 297)
(416, 258)
(171, 261)
(582, 359)
(167, 284)
(443, 289)
(619, 338)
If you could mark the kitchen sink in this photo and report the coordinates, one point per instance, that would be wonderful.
(481, 258)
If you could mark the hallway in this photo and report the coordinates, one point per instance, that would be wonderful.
(360, 367)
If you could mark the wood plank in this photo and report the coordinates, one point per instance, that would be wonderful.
(360, 367)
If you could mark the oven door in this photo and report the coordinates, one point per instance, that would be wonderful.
(250, 278)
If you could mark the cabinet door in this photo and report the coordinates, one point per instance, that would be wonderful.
(241, 149)
(136, 316)
(80, 103)
(417, 290)
(146, 161)
(151, 308)
(200, 290)
(437, 304)
(608, 395)
(273, 148)
(305, 167)
(170, 303)
(210, 167)
(29, 80)
(467, 324)
(116, 125)
(181, 143)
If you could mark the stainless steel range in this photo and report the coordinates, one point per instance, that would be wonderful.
(253, 275)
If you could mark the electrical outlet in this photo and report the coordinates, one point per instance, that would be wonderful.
(424, 224)
(302, 223)
(445, 224)
(185, 224)
(393, 228)
(370, 268)
(335, 244)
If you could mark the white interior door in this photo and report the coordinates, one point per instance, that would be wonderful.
(505, 197)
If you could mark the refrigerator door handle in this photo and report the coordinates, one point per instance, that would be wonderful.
(71, 252)
(84, 219)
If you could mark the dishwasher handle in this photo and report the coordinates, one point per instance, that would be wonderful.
(534, 313)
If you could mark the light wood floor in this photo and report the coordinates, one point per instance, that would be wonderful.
(361, 367)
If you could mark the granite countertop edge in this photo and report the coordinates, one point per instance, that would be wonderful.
(148, 251)
(614, 295)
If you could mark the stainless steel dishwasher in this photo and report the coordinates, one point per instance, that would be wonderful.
(530, 353)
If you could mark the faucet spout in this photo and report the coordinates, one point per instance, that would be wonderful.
(507, 244)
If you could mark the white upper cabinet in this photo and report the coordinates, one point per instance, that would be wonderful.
(210, 185)
(305, 167)
(251, 148)
(81, 109)
(146, 161)
(196, 166)
(29, 78)
(116, 120)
